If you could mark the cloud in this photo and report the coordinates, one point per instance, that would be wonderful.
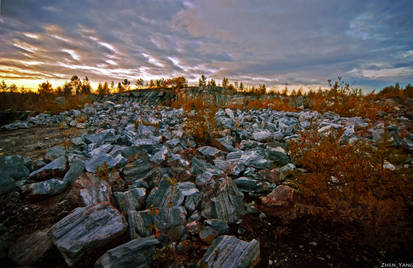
(295, 42)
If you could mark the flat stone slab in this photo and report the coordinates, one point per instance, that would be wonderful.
(135, 253)
(231, 252)
(87, 228)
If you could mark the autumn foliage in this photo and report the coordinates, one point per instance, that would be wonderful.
(350, 184)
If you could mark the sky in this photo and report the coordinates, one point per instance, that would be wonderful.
(302, 43)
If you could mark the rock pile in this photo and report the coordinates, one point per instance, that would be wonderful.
(166, 195)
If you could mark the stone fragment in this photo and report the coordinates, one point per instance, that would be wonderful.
(56, 168)
(94, 189)
(208, 234)
(30, 248)
(278, 155)
(131, 200)
(135, 253)
(222, 200)
(209, 151)
(54, 153)
(85, 229)
(169, 221)
(231, 252)
(45, 188)
(219, 225)
(281, 196)
(262, 135)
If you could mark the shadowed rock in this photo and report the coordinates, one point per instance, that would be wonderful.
(54, 153)
(131, 200)
(87, 228)
(30, 248)
(135, 253)
(230, 252)
(56, 168)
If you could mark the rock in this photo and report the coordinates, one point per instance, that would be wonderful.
(278, 155)
(262, 135)
(76, 169)
(229, 251)
(99, 160)
(13, 167)
(248, 185)
(160, 155)
(30, 248)
(135, 253)
(209, 151)
(94, 190)
(104, 148)
(227, 143)
(54, 153)
(7, 184)
(146, 144)
(45, 188)
(136, 170)
(131, 200)
(105, 136)
(281, 196)
(56, 168)
(169, 221)
(219, 225)
(222, 200)
(87, 228)
(199, 166)
(170, 194)
(208, 234)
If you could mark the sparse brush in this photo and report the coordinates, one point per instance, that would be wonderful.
(349, 184)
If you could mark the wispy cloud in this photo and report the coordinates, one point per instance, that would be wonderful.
(295, 42)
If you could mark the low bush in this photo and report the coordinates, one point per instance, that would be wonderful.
(350, 184)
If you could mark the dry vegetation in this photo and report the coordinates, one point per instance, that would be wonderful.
(350, 184)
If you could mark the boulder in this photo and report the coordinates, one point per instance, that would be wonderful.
(94, 189)
(229, 251)
(219, 225)
(135, 170)
(135, 253)
(54, 153)
(209, 151)
(262, 135)
(222, 200)
(87, 228)
(56, 168)
(105, 136)
(45, 188)
(169, 222)
(208, 234)
(13, 167)
(131, 200)
(174, 194)
(28, 249)
(99, 160)
(281, 196)
(76, 169)
(278, 155)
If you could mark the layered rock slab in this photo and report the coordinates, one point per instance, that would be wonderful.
(231, 252)
(87, 228)
(135, 253)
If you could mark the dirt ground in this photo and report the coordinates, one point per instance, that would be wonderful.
(34, 142)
